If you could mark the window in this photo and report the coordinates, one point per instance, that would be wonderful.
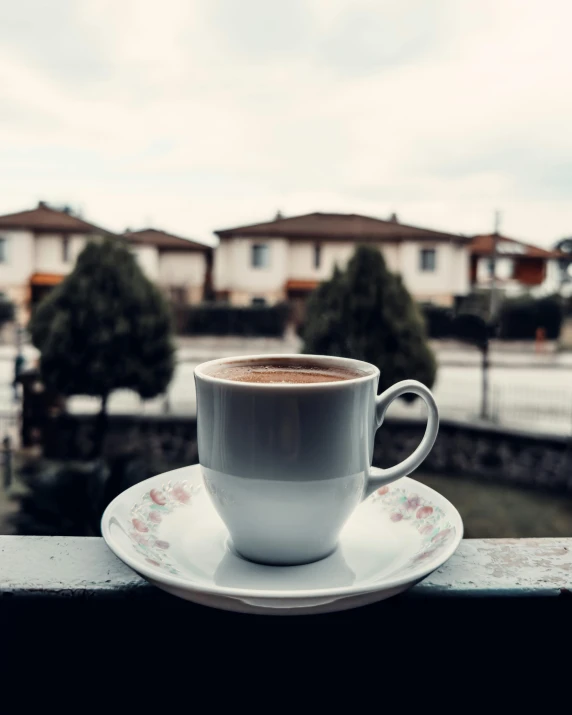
(317, 255)
(258, 302)
(427, 260)
(65, 249)
(3, 250)
(260, 255)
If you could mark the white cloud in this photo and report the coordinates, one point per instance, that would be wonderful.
(195, 117)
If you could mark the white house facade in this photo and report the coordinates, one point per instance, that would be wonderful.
(180, 266)
(286, 258)
(39, 247)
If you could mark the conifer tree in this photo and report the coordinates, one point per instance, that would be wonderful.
(105, 327)
(366, 313)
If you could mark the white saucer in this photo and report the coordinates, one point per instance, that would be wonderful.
(166, 529)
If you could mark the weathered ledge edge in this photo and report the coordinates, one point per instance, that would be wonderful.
(80, 567)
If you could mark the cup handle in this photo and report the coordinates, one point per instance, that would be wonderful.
(382, 402)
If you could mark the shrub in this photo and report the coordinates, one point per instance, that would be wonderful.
(105, 327)
(7, 310)
(519, 318)
(367, 313)
(223, 319)
(69, 499)
(438, 320)
(471, 329)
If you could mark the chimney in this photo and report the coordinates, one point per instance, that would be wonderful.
(393, 218)
(279, 215)
(42, 205)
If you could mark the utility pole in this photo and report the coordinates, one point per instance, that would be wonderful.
(493, 265)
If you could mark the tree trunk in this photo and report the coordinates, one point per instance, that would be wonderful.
(101, 424)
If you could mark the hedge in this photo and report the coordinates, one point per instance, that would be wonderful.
(438, 320)
(222, 319)
(7, 310)
(519, 318)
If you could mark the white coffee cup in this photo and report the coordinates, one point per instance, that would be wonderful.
(286, 464)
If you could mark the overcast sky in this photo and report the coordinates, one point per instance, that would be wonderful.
(194, 115)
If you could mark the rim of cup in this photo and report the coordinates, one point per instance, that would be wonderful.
(369, 371)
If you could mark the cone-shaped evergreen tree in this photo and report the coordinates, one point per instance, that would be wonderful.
(367, 313)
(323, 331)
(105, 327)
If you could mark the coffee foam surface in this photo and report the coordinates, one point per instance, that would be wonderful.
(283, 374)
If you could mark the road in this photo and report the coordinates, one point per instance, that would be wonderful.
(530, 398)
(535, 396)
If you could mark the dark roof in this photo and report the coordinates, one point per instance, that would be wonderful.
(340, 227)
(44, 218)
(164, 240)
(483, 245)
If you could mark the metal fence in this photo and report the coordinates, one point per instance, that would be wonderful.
(549, 410)
(536, 409)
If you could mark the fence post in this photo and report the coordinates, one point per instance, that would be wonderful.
(494, 404)
(7, 454)
(485, 381)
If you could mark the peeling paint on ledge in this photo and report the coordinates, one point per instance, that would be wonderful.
(504, 567)
(80, 567)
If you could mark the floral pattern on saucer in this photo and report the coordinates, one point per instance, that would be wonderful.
(397, 503)
(428, 519)
(148, 513)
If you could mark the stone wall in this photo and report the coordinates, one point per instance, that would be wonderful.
(158, 439)
(462, 450)
(482, 452)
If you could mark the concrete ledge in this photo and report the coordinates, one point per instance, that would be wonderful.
(75, 567)
(497, 612)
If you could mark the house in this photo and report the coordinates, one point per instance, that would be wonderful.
(37, 249)
(518, 267)
(286, 258)
(183, 268)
